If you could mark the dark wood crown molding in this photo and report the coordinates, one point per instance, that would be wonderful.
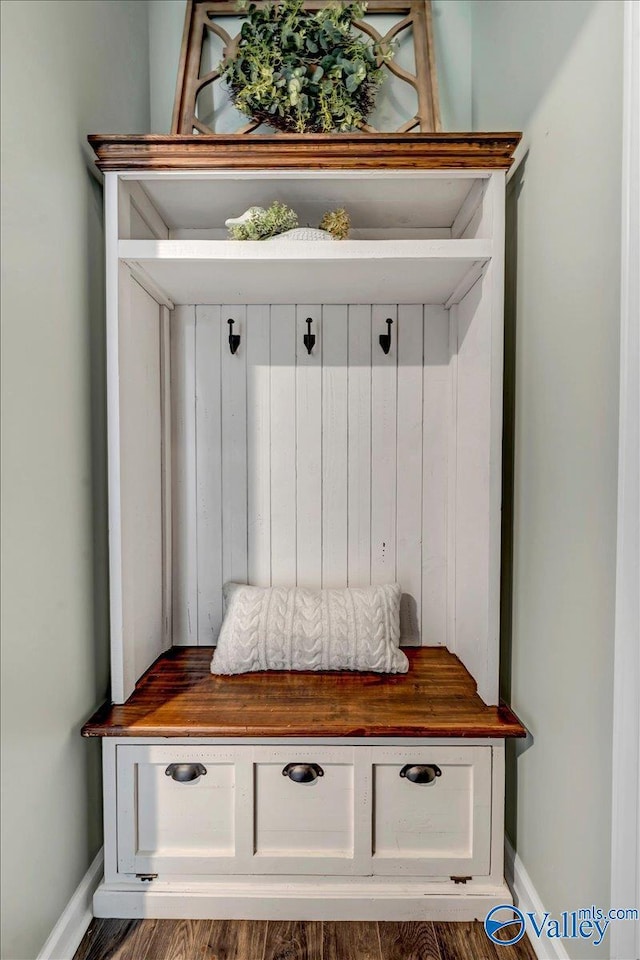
(419, 151)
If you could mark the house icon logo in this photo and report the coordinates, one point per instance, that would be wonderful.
(507, 918)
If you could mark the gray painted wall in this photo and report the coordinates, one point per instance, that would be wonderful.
(554, 70)
(68, 69)
(166, 22)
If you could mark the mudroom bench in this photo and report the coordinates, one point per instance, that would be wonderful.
(309, 778)
(304, 414)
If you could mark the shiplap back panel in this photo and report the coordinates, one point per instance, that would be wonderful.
(323, 469)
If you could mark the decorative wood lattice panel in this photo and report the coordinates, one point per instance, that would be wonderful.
(411, 22)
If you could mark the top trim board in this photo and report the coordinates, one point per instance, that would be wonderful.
(441, 151)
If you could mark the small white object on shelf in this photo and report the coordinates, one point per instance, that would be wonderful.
(236, 221)
(304, 233)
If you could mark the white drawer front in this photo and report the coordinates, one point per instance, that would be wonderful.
(308, 827)
(175, 826)
(441, 828)
(314, 819)
(243, 815)
(355, 816)
(191, 817)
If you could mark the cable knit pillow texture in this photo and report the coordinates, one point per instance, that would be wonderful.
(291, 628)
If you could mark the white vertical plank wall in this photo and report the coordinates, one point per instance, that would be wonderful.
(309, 448)
(409, 469)
(258, 350)
(326, 468)
(208, 472)
(184, 526)
(359, 446)
(234, 448)
(334, 446)
(384, 369)
(283, 433)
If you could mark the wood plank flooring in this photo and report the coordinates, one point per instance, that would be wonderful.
(291, 940)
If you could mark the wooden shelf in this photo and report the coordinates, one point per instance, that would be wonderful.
(179, 697)
(280, 271)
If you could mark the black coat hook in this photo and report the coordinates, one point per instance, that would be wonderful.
(385, 338)
(234, 338)
(309, 338)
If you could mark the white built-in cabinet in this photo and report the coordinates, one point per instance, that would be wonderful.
(346, 466)
(271, 465)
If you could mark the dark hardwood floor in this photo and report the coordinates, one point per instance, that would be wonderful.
(289, 940)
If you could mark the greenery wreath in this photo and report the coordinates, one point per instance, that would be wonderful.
(303, 71)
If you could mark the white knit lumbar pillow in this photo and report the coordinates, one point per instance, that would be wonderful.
(291, 628)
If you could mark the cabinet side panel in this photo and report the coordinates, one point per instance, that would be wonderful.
(476, 586)
(141, 478)
(437, 423)
(479, 457)
(120, 688)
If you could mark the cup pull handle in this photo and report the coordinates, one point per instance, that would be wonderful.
(185, 772)
(421, 772)
(303, 772)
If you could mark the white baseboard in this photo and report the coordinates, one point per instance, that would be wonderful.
(64, 939)
(527, 899)
(76, 917)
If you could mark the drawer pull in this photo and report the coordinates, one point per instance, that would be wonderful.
(421, 772)
(185, 772)
(303, 772)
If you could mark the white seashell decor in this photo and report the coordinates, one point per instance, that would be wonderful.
(304, 233)
(236, 221)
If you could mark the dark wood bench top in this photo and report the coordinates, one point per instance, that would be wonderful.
(179, 697)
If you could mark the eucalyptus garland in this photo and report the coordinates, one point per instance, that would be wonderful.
(303, 71)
